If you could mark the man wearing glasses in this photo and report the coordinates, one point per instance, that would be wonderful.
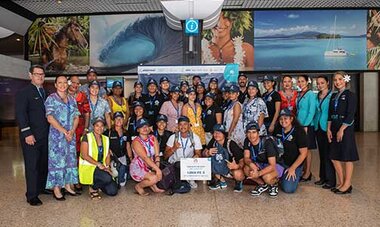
(34, 129)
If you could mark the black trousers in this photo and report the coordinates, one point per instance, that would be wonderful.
(36, 166)
(104, 181)
(326, 168)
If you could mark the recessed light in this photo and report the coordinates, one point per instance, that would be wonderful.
(18, 39)
(59, 1)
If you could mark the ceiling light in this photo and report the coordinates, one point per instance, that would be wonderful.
(59, 1)
(18, 39)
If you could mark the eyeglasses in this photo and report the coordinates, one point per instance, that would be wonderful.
(38, 74)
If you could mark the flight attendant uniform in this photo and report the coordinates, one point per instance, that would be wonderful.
(306, 104)
(342, 110)
(31, 119)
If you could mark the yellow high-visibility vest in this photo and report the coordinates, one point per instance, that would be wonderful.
(86, 169)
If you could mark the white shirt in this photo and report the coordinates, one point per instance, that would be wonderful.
(186, 150)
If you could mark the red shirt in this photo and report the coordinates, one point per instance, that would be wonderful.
(289, 102)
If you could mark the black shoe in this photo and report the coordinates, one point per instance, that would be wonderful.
(60, 198)
(70, 193)
(327, 186)
(46, 192)
(348, 191)
(306, 179)
(334, 189)
(35, 202)
(320, 182)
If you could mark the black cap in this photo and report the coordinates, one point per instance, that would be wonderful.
(189, 90)
(252, 126)
(141, 122)
(286, 112)
(98, 119)
(201, 84)
(94, 83)
(175, 89)
(138, 83)
(183, 118)
(162, 117)
(117, 84)
(91, 70)
(219, 128)
(152, 81)
(118, 114)
(137, 103)
(225, 89)
(214, 79)
(268, 78)
(233, 88)
(242, 75)
(253, 83)
(164, 79)
(210, 95)
(184, 82)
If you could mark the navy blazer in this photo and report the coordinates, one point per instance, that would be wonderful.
(30, 113)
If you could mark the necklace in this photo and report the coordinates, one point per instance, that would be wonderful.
(221, 50)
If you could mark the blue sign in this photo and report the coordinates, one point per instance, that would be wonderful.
(192, 27)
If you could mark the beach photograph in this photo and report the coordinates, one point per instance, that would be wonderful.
(310, 40)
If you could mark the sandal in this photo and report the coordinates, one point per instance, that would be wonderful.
(95, 195)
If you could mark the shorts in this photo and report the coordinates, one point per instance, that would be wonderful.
(279, 168)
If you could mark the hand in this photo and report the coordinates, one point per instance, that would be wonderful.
(329, 135)
(305, 128)
(271, 128)
(339, 135)
(101, 166)
(196, 156)
(159, 174)
(176, 145)
(212, 151)
(290, 174)
(69, 135)
(30, 140)
(253, 166)
(232, 165)
(253, 174)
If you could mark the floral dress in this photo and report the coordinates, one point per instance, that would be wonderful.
(62, 159)
(251, 113)
(238, 135)
(195, 117)
(138, 168)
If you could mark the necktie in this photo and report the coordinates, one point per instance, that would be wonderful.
(42, 92)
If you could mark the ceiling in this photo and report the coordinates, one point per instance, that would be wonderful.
(66, 7)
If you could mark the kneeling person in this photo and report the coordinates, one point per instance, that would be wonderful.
(260, 155)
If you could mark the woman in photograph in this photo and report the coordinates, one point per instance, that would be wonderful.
(341, 132)
(63, 115)
(288, 94)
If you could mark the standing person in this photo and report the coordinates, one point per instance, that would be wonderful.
(196, 80)
(341, 132)
(137, 95)
(162, 134)
(137, 113)
(211, 116)
(94, 162)
(63, 115)
(120, 147)
(92, 75)
(117, 102)
(201, 92)
(273, 101)
(172, 109)
(294, 141)
(306, 103)
(165, 88)
(242, 81)
(213, 88)
(152, 102)
(288, 95)
(193, 111)
(184, 85)
(83, 107)
(145, 166)
(326, 168)
(99, 106)
(261, 161)
(254, 108)
(233, 117)
(226, 98)
(34, 129)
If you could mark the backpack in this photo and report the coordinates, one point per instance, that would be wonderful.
(277, 144)
(168, 178)
(181, 187)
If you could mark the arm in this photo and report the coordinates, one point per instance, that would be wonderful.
(127, 113)
(53, 122)
(156, 152)
(22, 118)
(140, 151)
(248, 161)
(349, 118)
(108, 119)
(184, 110)
(271, 167)
(260, 121)
(218, 117)
(301, 157)
(86, 120)
(84, 152)
(129, 151)
(235, 118)
(171, 147)
(275, 116)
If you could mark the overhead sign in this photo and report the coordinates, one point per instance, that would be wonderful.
(192, 27)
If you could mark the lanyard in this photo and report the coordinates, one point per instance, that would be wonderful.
(176, 109)
(151, 100)
(184, 145)
(157, 135)
(336, 101)
(287, 136)
(253, 150)
(266, 97)
(321, 101)
(147, 146)
(93, 108)
(300, 98)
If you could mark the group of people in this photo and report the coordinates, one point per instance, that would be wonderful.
(79, 135)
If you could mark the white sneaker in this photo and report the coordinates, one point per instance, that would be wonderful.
(192, 183)
(123, 184)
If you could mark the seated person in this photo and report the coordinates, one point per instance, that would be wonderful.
(183, 144)
(95, 160)
(260, 155)
(144, 167)
(295, 142)
(119, 147)
(226, 158)
(162, 134)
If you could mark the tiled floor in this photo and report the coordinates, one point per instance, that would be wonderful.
(309, 206)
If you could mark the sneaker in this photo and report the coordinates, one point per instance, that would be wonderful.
(259, 189)
(192, 183)
(215, 186)
(273, 190)
(122, 184)
(223, 184)
(238, 186)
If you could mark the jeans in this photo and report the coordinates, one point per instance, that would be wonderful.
(122, 174)
(290, 185)
(104, 181)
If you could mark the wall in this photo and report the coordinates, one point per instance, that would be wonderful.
(369, 98)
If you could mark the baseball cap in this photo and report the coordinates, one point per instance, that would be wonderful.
(117, 84)
(286, 112)
(210, 95)
(242, 75)
(219, 128)
(138, 83)
(252, 126)
(175, 89)
(152, 81)
(164, 79)
(118, 114)
(201, 84)
(98, 119)
(183, 118)
(94, 83)
(162, 117)
(141, 122)
(137, 103)
(214, 79)
(184, 82)
(189, 90)
(253, 83)
(268, 78)
(234, 88)
(91, 70)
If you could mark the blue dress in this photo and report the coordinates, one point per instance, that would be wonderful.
(62, 159)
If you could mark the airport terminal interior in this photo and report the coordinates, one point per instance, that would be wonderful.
(123, 42)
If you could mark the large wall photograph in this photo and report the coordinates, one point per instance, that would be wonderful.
(310, 40)
(119, 43)
(61, 44)
(230, 41)
(373, 40)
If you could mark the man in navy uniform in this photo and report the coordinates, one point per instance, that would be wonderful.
(34, 130)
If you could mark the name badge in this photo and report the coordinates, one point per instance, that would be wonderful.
(176, 121)
(151, 112)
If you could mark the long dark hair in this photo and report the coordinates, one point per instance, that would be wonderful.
(258, 94)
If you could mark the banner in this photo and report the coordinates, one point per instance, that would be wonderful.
(195, 168)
